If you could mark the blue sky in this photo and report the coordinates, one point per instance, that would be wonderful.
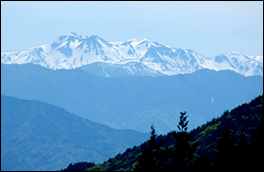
(209, 28)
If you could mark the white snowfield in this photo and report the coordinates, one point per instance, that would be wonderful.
(135, 55)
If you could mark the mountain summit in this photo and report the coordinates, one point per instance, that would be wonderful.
(138, 56)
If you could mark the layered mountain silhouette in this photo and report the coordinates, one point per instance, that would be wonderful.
(234, 141)
(40, 136)
(132, 102)
(138, 56)
(110, 83)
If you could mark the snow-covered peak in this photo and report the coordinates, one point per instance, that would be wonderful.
(137, 40)
(258, 58)
(71, 37)
(95, 37)
(141, 56)
(74, 34)
(236, 54)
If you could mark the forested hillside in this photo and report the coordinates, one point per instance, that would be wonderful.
(232, 141)
(40, 136)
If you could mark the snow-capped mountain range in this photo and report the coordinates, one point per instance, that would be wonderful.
(138, 56)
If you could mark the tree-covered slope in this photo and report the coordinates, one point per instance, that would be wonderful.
(40, 136)
(246, 136)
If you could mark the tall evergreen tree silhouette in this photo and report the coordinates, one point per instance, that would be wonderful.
(149, 159)
(183, 152)
(183, 122)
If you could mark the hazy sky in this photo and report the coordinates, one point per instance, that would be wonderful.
(209, 28)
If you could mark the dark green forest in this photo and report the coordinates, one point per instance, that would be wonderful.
(232, 141)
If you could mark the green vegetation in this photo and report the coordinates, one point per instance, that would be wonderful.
(233, 141)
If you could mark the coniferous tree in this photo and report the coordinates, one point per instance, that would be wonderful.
(154, 157)
(183, 152)
(183, 122)
(149, 157)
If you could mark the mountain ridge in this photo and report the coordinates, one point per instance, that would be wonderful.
(131, 102)
(245, 119)
(136, 56)
(40, 136)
